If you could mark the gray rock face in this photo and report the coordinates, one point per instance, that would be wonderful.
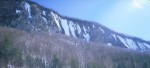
(30, 16)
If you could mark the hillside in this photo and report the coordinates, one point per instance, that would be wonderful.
(39, 50)
(32, 17)
(33, 36)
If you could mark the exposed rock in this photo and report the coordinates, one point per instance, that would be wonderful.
(32, 17)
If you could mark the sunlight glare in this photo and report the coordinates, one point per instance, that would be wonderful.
(137, 4)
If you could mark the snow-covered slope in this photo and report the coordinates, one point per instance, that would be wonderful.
(32, 17)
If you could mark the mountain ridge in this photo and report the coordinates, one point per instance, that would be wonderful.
(31, 16)
(35, 37)
(92, 22)
(89, 21)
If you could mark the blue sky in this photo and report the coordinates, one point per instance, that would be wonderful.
(131, 17)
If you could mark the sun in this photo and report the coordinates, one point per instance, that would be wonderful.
(137, 4)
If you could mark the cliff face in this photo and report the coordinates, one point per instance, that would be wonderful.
(42, 38)
(30, 16)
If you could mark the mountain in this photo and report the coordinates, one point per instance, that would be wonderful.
(32, 17)
(32, 36)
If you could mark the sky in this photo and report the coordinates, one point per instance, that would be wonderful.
(131, 17)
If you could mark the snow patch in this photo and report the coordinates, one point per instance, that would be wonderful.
(71, 25)
(84, 29)
(147, 45)
(18, 11)
(87, 37)
(56, 19)
(78, 28)
(88, 28)
(93, 26)
(101, 29)
(65, 26)
(45, 20)
(28, 8)
(114, 36)
(44, 13)
(131, 44)
(141, 46)
(123, 41)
